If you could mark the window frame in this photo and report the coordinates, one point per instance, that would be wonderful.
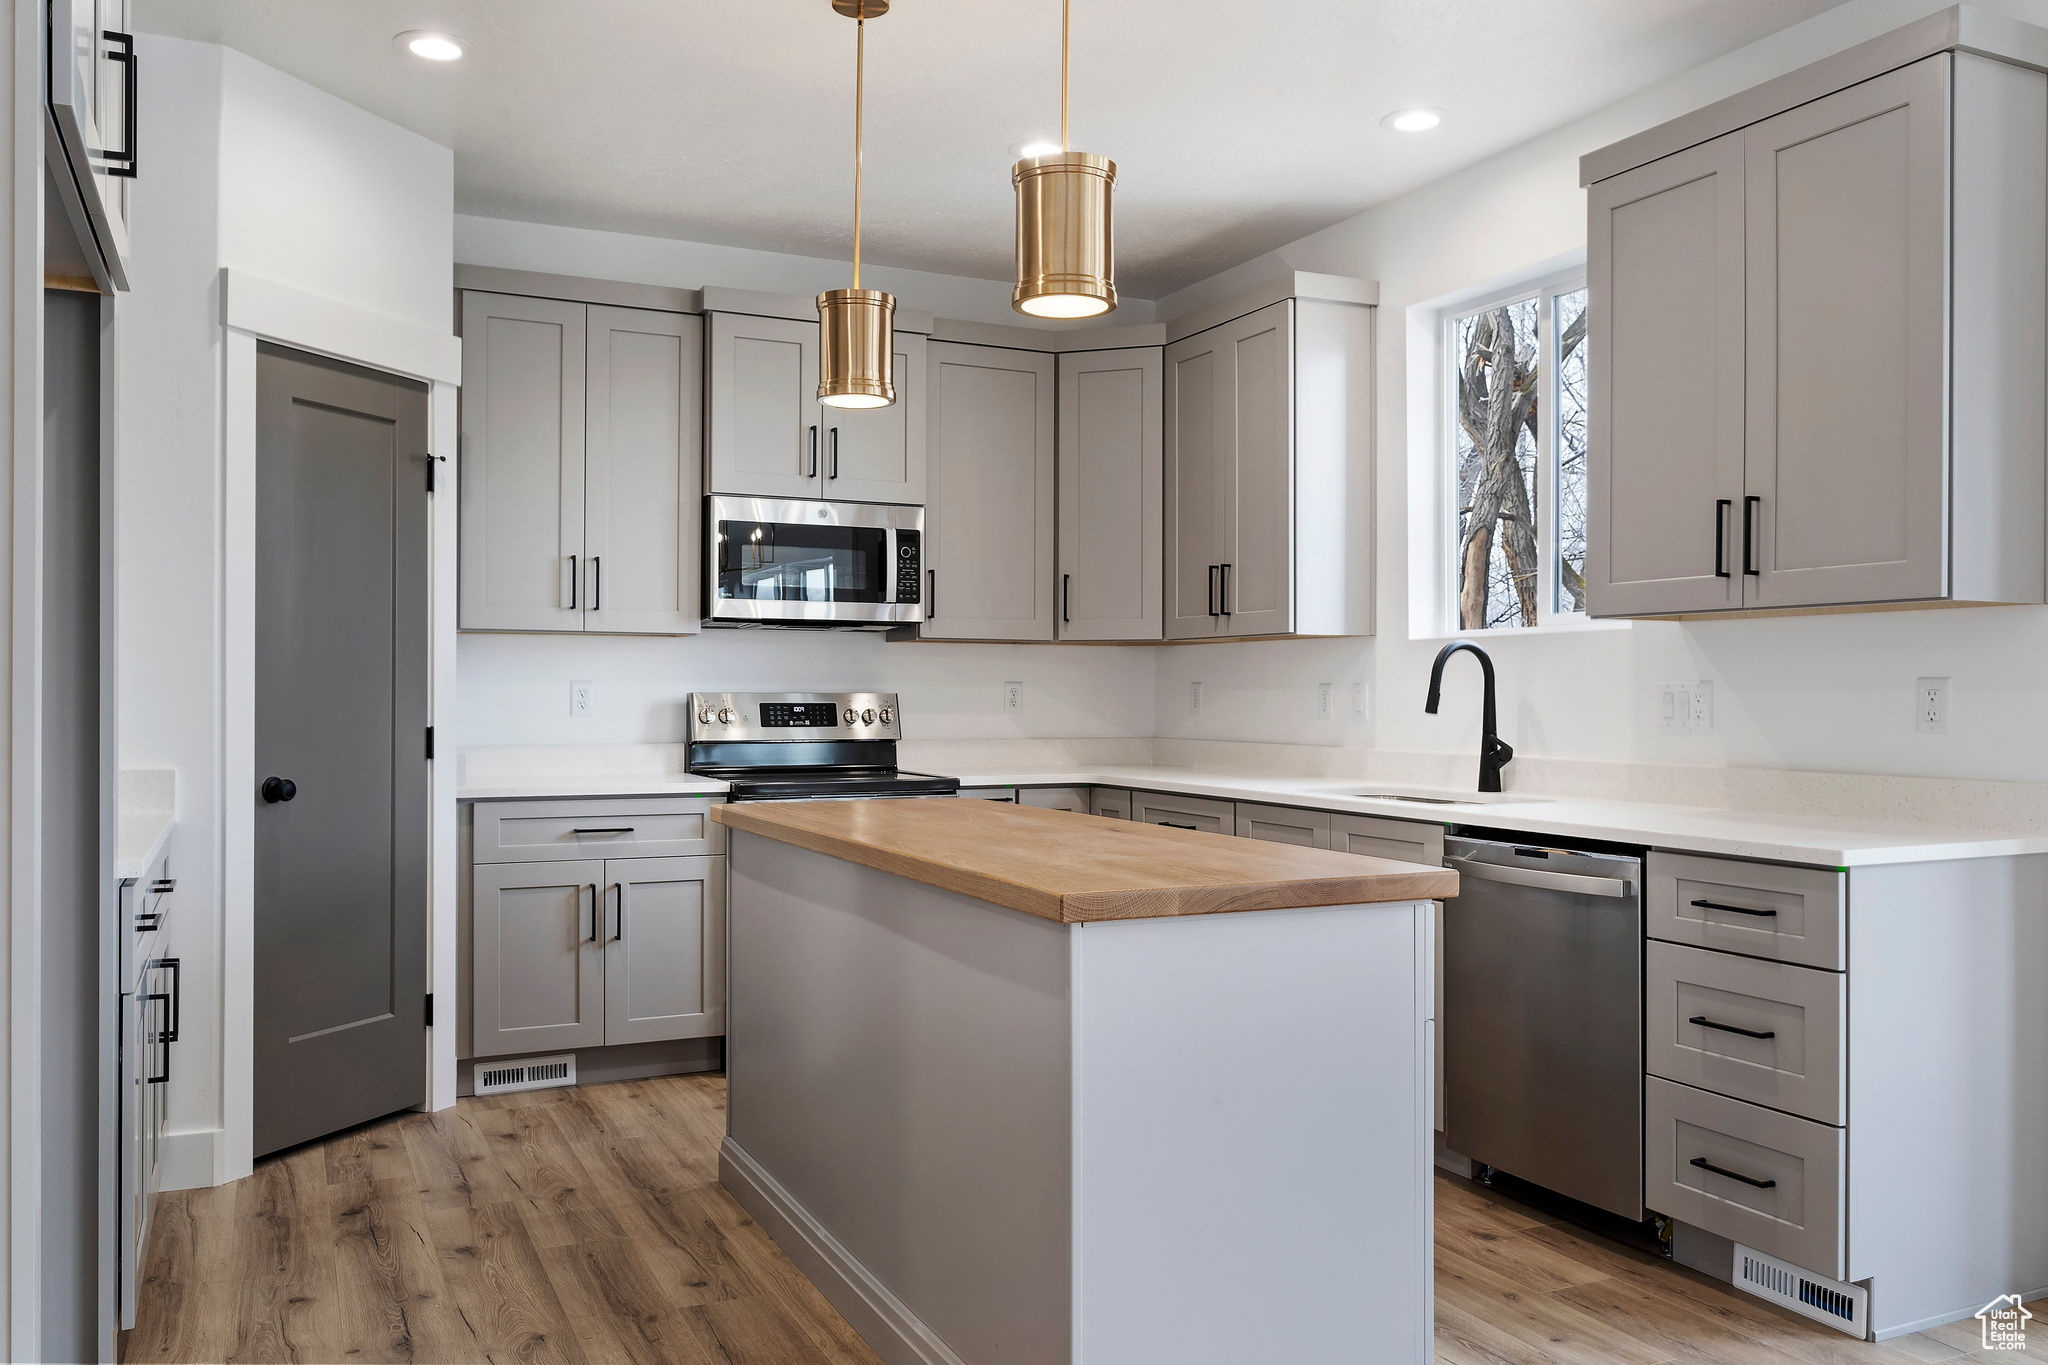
(1544, 289)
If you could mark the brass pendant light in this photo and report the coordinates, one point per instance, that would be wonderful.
(1066, 260)
(857, 327)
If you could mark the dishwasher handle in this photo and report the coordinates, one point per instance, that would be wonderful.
(1572, 882)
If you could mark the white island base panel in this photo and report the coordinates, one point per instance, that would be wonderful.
(988, 1137)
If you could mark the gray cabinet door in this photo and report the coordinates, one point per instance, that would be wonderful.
(1110, 414)
(1256, 588)
(989, 527)
(1283, 825)
(1112, 803)
(1229, 484)
(1847, 206)
(1055, 798)
(1664, 257)
(1184, 812)
(537, 983)
(664, 949)
(878, 454)
(766, 437)
(1196, 484)
(522, 463)
(643, 472)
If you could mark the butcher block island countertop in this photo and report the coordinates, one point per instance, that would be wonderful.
(1077, 869)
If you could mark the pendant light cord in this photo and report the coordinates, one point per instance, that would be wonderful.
(860, 69)
(1066, 59)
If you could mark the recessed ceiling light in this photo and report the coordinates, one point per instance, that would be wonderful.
(1033, 146)
(1413, 120)
(435, 47)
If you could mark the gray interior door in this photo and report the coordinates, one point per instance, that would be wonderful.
(341, 713)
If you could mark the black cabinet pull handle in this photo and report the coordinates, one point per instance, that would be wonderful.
(1067, 598)
(1736, 909)
(596, 583)
(572, 582)
(603, 829)
(1705, 1022)
(1212, 589)
(154, 918)
(176, 997)
(1170, 825)
(147, 1001)
(619, 924)
(931, 594)
(1749, 508)
(1223, 588)
(1707, 1165)
(1721, 506)
(276, 789)
(163, 886)
(835, 455)
(126, 57)
(814, 454)
(592, 936)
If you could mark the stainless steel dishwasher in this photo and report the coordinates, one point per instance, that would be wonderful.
(1543, 1017)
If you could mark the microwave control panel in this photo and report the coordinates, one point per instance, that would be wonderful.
(909, 573)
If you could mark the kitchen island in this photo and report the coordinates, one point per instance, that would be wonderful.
(1019, 1085)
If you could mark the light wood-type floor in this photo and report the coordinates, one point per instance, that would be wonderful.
(587, 1225)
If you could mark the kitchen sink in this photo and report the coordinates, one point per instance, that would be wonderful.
(1443, 798)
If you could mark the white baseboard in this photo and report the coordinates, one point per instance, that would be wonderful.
(188, 1160)
(883, 1320)
(1944, 1319)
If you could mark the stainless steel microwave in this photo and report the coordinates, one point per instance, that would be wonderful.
(791, 562)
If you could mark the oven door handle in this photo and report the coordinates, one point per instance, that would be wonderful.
(1548, 881)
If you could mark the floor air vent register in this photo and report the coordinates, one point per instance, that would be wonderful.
(1843, 1306)
(525, 1073)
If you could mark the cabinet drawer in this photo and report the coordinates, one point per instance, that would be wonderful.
(1409, 841)
(1699, 1000)
(1055, 798)
(1795, 1209)
(1112, 803)
(615, 827)
(1283, 825)
(1793, 914)
(1184, 812)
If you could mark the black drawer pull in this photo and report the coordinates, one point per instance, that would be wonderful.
(163, 886)
(1170, 825)
(148, 921)
(612, 829)
(1736, 909)
(1707, 1165)
(1705, 1022)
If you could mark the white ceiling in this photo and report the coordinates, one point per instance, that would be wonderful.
(1236, 125)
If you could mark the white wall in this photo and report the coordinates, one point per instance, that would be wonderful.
(515, 688)
(256, 170)
(1830, 692)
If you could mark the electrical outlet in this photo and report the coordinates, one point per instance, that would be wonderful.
(1361, 700)
(1326, 706)
(1013, 697)
(1194, 699)
(1930, 706)
(1685, 706)
(1702, 716)
(583, 698)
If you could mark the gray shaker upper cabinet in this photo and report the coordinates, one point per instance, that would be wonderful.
(581, 466)
(1109, 494)
(522, 463)
(772, 438)
(1268, 474)
(989, 541)
(1893, 330)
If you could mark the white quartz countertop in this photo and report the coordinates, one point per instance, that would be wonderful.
(139, 836)
(1773, 836)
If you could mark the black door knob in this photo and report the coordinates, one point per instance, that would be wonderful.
(276, 789)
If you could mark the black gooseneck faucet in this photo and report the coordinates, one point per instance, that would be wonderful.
(1493, 753)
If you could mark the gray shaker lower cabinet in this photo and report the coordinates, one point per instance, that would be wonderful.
(664, 954)
(538, 981)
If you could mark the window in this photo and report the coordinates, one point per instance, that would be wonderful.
(1516, 452)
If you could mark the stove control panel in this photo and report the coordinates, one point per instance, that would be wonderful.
(792, 717)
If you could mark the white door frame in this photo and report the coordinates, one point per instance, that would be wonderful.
(255, 309)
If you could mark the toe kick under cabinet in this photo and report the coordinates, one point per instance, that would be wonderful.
(1848, 1070)
(595, 922)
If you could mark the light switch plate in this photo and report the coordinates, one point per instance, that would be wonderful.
(583, 698)
(1194, 699)
(1685, 706)
(1326, 705)
(1930, 706)
(1361, 700)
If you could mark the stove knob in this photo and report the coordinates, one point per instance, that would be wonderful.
(725, 715)
(867, 717)
(885, 715)
(851, 715)
(704, 716)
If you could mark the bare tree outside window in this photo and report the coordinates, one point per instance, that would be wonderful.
(1518, 384)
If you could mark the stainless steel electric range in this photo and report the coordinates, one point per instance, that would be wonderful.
(804, 746)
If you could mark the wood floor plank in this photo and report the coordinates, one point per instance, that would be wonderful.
(621, 1306)
(1561, 1330)
(182, 1312)
(395, 1304)
(505, 1298)
(759, 1332)
(287, 1308)
(1531, 1265)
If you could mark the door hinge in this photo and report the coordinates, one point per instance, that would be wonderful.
(430, 742)
(432, 460)
(430, 1009)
